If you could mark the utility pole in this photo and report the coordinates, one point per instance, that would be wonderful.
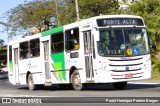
(57, 12)
(77, 9)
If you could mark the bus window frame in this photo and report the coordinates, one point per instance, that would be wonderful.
(32, 54)
(10, 53)
(56, 44)
(24, 56)
(71, 38)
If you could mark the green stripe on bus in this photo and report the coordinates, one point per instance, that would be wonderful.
(52, 31)
(11, 66)
(59, 64)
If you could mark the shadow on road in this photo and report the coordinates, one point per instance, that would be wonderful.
(91, 87)
(96, 87)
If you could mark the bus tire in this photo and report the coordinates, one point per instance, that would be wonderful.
(119, 85)
(31, 84)
(76, 81)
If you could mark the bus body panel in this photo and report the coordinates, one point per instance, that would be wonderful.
(56, 67)
(79, 61)
(24, 68)
(124, 71)
(36, 68)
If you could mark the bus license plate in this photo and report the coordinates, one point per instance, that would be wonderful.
(129, 75)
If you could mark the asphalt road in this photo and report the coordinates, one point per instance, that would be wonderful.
(96, 93)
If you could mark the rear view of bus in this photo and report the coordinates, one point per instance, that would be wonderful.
(123, 50)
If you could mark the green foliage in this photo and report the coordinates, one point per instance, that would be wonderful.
(149, 10)
(41, 14)
(1, 42)
(96, 7)
(68, 14)
(87, 8)
(46, 14)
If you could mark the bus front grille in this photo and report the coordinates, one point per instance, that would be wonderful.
(125, 65)
(126, 68)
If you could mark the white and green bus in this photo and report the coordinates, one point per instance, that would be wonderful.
(103, 49)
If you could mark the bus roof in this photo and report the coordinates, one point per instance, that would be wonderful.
(52, 31)
(118, 16)
(26, 38)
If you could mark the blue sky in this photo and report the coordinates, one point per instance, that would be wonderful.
(6, 5)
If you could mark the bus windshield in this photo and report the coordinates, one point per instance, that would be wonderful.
(123, 42)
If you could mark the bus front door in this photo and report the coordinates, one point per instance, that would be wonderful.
(16, 67)
(88, 45)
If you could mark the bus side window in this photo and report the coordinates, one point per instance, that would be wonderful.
(24, 50)
(34, 48)
(10, 53)
(72, 39)
(57, 42)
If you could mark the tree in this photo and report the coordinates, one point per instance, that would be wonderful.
(97, 7)
(41, 14)
(45, 14)
(1, 42)
(149, 10)
(88, 8)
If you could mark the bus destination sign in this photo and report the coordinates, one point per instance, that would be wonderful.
(119, 21)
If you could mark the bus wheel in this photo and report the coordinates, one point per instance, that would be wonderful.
(31, 84)
(76, 81)
(120, 85)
